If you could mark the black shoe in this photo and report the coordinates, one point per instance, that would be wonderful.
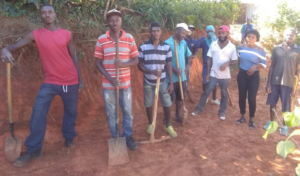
(130, 143)
(26, 158)
(180, 119)
(69, 142)
(251, 125)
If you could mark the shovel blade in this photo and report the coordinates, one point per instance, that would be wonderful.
(117, 154)
(12, 148)
(185, 116)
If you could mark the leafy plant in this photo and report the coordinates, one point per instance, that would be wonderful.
(291, 119)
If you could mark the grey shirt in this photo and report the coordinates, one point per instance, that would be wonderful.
(285, 65)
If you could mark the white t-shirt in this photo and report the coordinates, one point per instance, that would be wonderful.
(219, 57)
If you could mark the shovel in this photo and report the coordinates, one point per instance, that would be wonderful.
(293, 94)
(154, 115)
(13, 145)
(185, 115)
(117, 154)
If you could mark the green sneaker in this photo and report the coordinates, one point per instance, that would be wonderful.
(171, 131)
(149, 129)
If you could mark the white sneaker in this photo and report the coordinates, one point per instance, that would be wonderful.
(206, 100)
(216, 102)
(222, 116)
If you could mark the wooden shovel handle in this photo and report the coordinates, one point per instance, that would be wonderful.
(117, 88)
(9, 102)
(293, 94)
(179, 77)
(154, 115)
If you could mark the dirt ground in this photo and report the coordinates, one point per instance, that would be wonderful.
(205, 147)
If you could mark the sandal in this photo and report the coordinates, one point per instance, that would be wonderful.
(241, 120)
(251, 125)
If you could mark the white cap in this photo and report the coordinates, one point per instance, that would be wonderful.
(185, 27)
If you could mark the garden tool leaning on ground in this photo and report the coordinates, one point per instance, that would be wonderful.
(13, 145)
(154, 115)
(185, 116)
(117, 154)
(293, 94)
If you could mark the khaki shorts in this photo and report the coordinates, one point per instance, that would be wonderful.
(149, 93)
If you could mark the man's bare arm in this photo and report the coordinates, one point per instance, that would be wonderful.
(74, 57)
(6, 55)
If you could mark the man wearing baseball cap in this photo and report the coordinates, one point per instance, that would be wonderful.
(221, 54)
(183, 52)
(106, 62)
(191, 43)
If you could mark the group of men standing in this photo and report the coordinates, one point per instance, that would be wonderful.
(155, 58)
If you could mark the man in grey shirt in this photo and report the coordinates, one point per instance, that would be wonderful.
(285, 65)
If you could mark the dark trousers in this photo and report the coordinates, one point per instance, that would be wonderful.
(248, 85)
(38, 121)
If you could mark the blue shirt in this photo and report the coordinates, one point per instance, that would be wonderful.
(251, 56)
(201, 43)
(191, 44)
(183, 51)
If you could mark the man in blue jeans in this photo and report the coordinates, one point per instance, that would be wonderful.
(222, 53)
(63, 78)
(106, 62)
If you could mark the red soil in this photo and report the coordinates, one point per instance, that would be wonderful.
(206, 146)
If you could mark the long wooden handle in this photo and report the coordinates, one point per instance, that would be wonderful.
(154, 115)
(179, 77)
(9, 93)
(293, 93)
(117, 89)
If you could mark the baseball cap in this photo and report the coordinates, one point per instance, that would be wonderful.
(113, 12)
(192, 26)
(184, 26)
(224, 28)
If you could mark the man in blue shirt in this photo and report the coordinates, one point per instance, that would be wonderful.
(246, 27)
(204, 42)
(191, 43)
(183, 52)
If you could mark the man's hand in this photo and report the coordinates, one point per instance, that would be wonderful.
(81, 85)
(268, 88)
(156, 73)
(6, 56)
(170, 89)
(114, 82)
(251, 70)
(224, 66)
(118, 63)
(207, 77)
(177, 71)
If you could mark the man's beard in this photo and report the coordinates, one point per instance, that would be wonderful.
(223, 40)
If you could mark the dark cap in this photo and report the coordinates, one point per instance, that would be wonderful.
(113, 12)
(192, 26)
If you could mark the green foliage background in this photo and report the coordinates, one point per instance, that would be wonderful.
(287, 17)
(90, 13)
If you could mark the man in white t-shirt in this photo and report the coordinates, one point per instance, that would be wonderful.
(222, 53)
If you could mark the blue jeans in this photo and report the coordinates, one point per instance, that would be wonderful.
(125, 100)
(209, 87)
(38, 121)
